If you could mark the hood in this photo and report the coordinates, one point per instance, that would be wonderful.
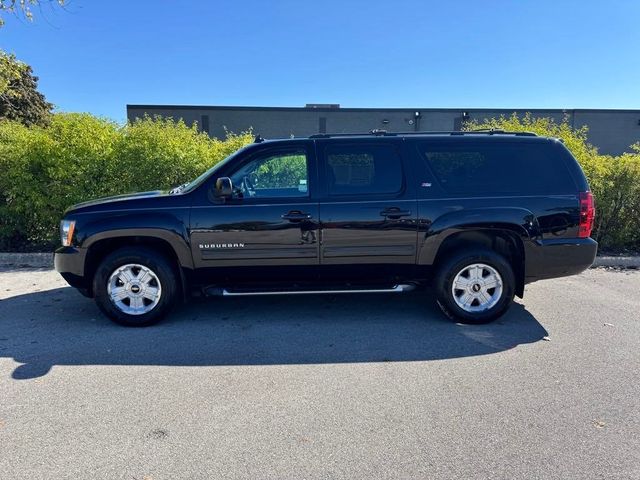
(117, 199)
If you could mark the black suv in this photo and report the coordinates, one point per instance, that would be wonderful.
(473, 215)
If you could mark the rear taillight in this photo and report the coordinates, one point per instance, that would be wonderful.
(587, 214)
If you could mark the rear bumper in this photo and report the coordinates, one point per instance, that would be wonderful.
(558, 257)
(69, 262)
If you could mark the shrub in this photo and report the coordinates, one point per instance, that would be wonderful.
(160, 153)
(79, 157)
(614, 181)
(618, 202)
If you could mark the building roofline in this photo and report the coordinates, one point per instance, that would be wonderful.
(386, 109)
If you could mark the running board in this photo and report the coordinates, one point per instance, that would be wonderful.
(239, 293)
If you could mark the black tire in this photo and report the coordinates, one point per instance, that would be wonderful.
(456, 263)
(149, 258)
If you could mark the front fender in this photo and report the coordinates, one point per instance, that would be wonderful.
(519, 221)
(164, 226)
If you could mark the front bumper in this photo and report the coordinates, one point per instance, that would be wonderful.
(69, 262)
(558, 257)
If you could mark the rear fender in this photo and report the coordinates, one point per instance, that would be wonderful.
(518, 221)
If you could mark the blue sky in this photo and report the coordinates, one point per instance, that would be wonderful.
(97, 56)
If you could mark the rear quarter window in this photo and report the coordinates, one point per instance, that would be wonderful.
(495, 168)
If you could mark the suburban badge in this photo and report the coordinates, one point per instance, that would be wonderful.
(210, 246)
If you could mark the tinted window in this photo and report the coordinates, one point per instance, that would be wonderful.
(271, 175)
(363, 169)
(498, 168)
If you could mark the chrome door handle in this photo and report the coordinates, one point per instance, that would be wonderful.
(296, 216)
(394, 213)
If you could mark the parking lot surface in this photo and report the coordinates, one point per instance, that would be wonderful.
(335, 387)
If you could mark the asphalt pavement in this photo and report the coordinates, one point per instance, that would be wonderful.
(315, 387)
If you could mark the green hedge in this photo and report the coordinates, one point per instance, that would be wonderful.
(44, 170)
(80, 157)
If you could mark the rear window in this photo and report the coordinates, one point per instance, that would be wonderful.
(498, 168)
(363, 169)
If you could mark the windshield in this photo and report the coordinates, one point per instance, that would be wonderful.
(188, 187)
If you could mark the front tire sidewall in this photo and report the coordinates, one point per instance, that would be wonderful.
(148, 258)
(450, 269)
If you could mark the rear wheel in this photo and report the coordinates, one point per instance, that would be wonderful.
(475, 286)
(135, 286)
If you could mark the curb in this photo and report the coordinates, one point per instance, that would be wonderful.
(45, 260)
(26, 260)
(620, 262)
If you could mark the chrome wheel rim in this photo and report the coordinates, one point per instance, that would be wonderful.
(134, 289)
(477, 287)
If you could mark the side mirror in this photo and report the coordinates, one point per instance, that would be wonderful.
(224, 187)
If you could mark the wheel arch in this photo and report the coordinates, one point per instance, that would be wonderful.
(502, 229)
(104, 244)
(506, 242)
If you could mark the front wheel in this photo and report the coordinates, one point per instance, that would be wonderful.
(135, 286)
(475, 286)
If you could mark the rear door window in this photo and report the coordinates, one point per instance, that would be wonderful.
(363, 170)
(494, 168)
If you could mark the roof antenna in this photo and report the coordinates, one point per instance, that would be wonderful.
(258, 139)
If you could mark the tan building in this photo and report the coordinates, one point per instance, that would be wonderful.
(612, 131)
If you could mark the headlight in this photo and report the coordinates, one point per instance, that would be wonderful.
(66, 231)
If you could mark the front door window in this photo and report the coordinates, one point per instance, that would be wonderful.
(275, 175)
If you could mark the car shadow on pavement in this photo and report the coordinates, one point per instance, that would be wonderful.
(60, 327)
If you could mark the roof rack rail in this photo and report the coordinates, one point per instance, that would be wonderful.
(384, 133)
(492, 131)
(331, 135)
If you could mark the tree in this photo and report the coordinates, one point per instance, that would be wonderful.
(23, 8)
(20, 99)
(10, 70)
